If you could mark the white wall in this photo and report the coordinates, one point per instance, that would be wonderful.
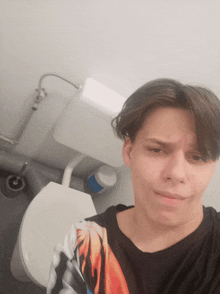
(211, 196)
(122, 44)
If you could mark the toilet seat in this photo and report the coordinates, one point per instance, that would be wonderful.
(47, 220)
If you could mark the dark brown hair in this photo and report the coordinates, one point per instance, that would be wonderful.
(201, 102)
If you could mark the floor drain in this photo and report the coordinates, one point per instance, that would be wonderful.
(14, 185)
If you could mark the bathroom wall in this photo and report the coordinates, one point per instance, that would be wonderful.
(122, 44)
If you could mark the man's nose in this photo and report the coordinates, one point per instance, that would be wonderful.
(176, 168)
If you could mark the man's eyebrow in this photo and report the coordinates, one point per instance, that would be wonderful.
(152, 140)
(166, 144)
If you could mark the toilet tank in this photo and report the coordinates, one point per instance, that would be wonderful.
(86, 123)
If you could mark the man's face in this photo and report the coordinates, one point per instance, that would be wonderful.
(174, 167)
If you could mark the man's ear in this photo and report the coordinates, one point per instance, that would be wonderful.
(126, 150)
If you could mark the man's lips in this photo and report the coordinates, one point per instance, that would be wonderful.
(170, 195)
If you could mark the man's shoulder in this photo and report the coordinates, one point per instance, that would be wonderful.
(212, 214)
(212, 223)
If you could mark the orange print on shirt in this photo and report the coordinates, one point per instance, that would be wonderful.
(99, 265)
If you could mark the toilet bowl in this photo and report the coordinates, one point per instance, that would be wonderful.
(47, 220)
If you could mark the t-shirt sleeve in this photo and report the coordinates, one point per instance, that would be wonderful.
(85, 264)
(65, 273)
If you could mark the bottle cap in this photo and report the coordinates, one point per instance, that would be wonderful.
(106, 176)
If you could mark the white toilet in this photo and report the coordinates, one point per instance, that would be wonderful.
(46, 221)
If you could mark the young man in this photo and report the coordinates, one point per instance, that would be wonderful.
(168, 242)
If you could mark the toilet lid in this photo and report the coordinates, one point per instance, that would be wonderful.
(47, 220)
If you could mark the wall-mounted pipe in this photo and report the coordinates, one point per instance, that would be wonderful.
(10, 143)
(36, 174)
(39, 90)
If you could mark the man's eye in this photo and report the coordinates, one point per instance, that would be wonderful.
(197, 158)
(155, 150)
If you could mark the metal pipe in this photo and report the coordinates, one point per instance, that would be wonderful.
(36, 174)
(39, 97)
(55, 75)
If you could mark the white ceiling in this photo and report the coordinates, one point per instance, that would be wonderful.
(121, 43)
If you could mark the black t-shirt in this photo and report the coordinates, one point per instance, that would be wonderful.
(98, 258)
(190, 266)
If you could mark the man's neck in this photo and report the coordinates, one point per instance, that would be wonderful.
(149, 236)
